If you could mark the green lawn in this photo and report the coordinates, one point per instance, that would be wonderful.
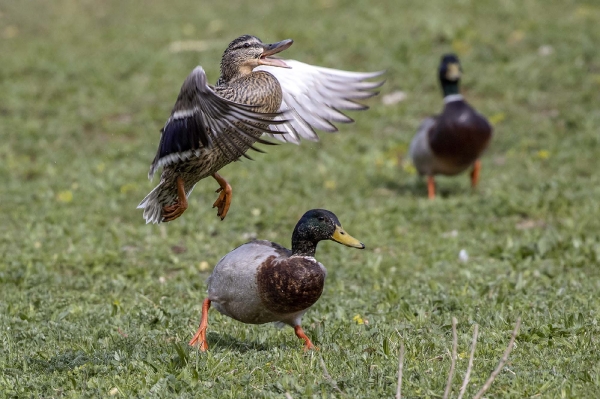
(94, 303)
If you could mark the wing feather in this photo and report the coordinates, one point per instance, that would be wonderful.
(314, 97)
(202, 119)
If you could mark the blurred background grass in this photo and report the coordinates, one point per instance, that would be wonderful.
(96, 303)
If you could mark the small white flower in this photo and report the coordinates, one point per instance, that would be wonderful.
(545, 50)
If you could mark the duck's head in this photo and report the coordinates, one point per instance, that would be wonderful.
(450, 72)
(247, 52)
(318, 225)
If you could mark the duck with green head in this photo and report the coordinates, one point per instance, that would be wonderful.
(256, 93)
(261, 281)
(453, 141)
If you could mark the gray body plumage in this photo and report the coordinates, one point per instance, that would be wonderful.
(233, 288)
(449, 143)
(261, 281)
(425, 161)
(423, 157)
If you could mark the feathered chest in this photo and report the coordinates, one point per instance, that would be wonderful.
(288, 285)
(459, 133)
(259, 88)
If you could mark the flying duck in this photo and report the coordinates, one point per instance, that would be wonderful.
(212, 126)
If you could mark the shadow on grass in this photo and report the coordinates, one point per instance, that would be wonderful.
(177, 355)
(416, 188)
(68, 360)
(226, 341)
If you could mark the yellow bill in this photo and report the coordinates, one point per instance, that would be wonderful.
(453, 71)
(344, 238)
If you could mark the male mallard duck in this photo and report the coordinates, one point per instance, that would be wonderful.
(210, 127)
(261, 281)
(451, 142)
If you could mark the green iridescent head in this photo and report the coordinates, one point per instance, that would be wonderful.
(318, 225)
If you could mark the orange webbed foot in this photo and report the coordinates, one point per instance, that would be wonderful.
(200, 337)
(172, 212)
(308, 345)
(225, 193)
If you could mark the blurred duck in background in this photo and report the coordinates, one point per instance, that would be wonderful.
(212, 126)
(453, 141)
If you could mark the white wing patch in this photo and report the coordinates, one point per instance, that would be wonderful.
(313, 96)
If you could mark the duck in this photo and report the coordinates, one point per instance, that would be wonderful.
(261, 281)
(257, 93)
(453, 141)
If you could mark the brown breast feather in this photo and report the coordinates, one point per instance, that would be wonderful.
(258, 88)
(460, 134)
(289, 285)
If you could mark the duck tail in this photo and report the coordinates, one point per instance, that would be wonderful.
(152, 206)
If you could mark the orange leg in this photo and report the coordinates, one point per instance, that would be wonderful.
(172, 212)
(222, 203)
(475, 173)
(430, 187)
(200, 336)
(300, 334)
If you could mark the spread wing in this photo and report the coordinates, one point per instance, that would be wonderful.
(200, 118)
(313, 97)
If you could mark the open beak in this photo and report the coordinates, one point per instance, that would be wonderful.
(453, 72)
(344, 238)
(274, 48)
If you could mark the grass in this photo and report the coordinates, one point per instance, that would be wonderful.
(95, 303)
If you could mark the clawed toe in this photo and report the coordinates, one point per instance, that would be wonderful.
(172, 212)
(310, 347)
(224, 200)
(222, 204)
(200, 340)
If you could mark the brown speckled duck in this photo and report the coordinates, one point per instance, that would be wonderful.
(210, 127)
(453, 141)
(261, 281)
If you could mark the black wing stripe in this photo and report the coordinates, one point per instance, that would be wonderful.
(180, 135)
(202, 119)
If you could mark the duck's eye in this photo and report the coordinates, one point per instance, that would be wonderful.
(321, 218)
(246, 45)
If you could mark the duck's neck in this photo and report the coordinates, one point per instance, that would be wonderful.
(226, 79)
(304, 248)
(229, 74)
(450, 88)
